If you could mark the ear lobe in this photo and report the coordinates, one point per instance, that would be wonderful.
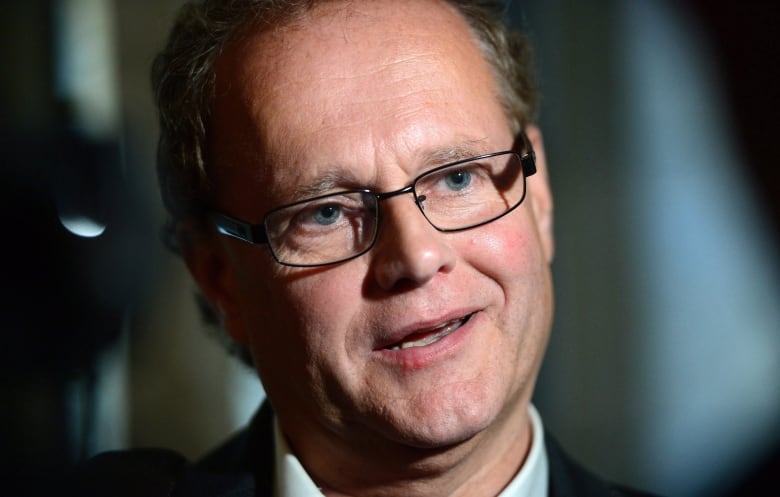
(209, 265)
(539, 193)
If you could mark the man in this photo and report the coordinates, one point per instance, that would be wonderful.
(358, 190)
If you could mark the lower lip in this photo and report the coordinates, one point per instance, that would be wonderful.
(415, 358)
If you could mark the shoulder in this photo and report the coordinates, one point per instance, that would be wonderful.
(570, 479)
(158, 473)
(149, 472)
(243, 466)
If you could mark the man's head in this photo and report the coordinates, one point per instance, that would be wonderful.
(430, 340)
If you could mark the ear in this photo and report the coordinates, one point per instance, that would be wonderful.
(540, 195)
(208, 261)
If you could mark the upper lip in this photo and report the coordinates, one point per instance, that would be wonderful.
(393, 337)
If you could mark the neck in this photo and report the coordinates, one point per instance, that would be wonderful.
(481, 465)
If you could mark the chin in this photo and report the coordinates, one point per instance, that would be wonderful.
(442, 423)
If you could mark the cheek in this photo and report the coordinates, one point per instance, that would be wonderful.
(504, 248)
(314, 309)
(322, 297)
(512, 256)
(509, 255)
(295, 324)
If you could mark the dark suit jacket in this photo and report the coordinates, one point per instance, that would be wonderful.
(244, 467)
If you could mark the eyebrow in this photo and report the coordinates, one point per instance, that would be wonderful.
(463, 150)
(336, 177)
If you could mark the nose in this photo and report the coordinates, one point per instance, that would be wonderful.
(409, 252)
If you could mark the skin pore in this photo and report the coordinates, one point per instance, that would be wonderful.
(371, 94)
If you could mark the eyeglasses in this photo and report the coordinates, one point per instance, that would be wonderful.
(340, 226)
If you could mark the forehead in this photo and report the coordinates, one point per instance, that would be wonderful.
(366, 75)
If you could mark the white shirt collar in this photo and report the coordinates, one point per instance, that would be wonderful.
(291, 480)
(531, 480)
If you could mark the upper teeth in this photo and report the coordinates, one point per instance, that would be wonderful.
(445, 330)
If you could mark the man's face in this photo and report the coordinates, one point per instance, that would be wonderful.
(370, 95)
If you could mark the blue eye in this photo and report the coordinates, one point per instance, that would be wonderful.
(458, 180)
(327, 214)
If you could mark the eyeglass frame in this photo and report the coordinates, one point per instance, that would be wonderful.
(256, 234)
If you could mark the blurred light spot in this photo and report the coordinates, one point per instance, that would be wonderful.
(86, 73)
(82, 226)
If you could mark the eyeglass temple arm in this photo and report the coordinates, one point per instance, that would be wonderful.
(238, 229)
(527, 159)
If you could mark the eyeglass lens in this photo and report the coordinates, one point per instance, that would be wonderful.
(343, 225)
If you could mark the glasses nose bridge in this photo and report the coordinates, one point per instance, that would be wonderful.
(396, 193)
(401, 191)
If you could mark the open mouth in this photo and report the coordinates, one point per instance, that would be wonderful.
(430, 336)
